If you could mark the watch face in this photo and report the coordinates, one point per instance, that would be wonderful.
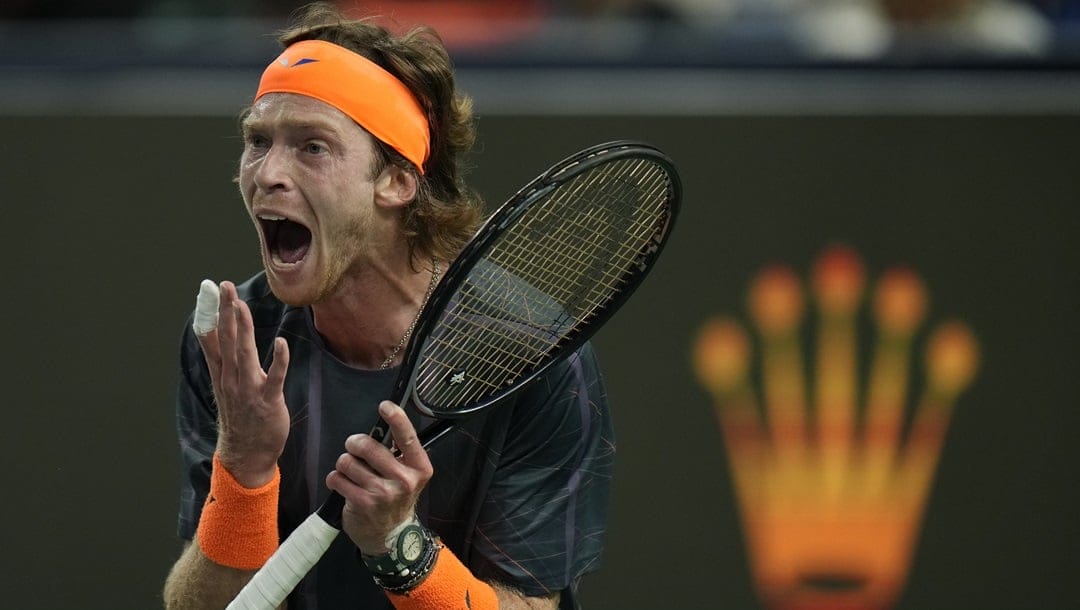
(410, 544)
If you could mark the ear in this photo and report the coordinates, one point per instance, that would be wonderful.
(395, 187)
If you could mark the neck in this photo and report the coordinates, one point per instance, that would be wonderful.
(368, 316)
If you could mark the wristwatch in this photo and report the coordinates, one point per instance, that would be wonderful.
(409, 545)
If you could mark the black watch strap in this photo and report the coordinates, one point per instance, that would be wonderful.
(412, 551)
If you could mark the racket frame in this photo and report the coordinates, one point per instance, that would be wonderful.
(531, 194)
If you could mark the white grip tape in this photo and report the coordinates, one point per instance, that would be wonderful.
(206, 308)
(293, 559)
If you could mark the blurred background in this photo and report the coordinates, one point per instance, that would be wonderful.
(823, 142)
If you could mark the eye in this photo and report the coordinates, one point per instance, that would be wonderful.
(314, 148)
(256, 140)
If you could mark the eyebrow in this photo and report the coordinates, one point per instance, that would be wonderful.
(303, 124)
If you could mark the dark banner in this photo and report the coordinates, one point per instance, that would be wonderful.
(851, 382)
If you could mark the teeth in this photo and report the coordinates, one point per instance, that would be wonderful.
(270, 217)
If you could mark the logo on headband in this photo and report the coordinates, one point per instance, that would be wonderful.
(305, 60)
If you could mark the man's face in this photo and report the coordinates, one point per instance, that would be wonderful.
(306, 178)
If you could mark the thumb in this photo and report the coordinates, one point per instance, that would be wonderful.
(404, 434)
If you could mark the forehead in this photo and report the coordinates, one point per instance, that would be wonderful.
(286, 110)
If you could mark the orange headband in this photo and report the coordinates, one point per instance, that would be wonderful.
(366, 93)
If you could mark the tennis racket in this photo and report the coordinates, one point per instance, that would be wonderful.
(546, 270)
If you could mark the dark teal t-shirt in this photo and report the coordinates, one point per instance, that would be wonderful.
(520, 489)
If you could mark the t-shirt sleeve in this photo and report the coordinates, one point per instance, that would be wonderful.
(196, 421)
(542, 523)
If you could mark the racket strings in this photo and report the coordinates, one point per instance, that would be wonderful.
(543, 280)
(473, 333)
(584, 262)
(581, 235)
(514, 345)
(597, 248)
(501, 365)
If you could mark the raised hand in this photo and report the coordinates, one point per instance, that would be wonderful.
(253, 421)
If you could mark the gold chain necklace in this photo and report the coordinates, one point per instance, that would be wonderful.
(408, 333)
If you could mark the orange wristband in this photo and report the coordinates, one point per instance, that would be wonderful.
(238, 527)
(449, 585)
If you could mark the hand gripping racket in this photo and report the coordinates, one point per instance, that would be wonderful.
(546, 270)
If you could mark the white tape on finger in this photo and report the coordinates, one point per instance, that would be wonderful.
(206, 308)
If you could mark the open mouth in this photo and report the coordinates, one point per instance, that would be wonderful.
(286, 241)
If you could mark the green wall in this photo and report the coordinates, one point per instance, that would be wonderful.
(111, 222)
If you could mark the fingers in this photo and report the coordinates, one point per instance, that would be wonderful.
(233, 356)
(212, 353)
(239, 355)
(375, 459)
(205, 322)
(275, 377)
(355, 470)
(380, 491)
(247, 354)
(226, 332)
(404, 435)
(371, 510)
(206, 308)
(367, 459)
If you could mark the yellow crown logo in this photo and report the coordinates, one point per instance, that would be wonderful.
(832, 469)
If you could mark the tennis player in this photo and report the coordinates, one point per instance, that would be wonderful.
(351, 174)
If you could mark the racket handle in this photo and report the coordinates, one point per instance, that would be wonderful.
(294, 558)
(427, 436)
(381, 432)
(269, 587)
(434, 432)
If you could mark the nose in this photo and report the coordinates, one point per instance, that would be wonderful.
(272, 170)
